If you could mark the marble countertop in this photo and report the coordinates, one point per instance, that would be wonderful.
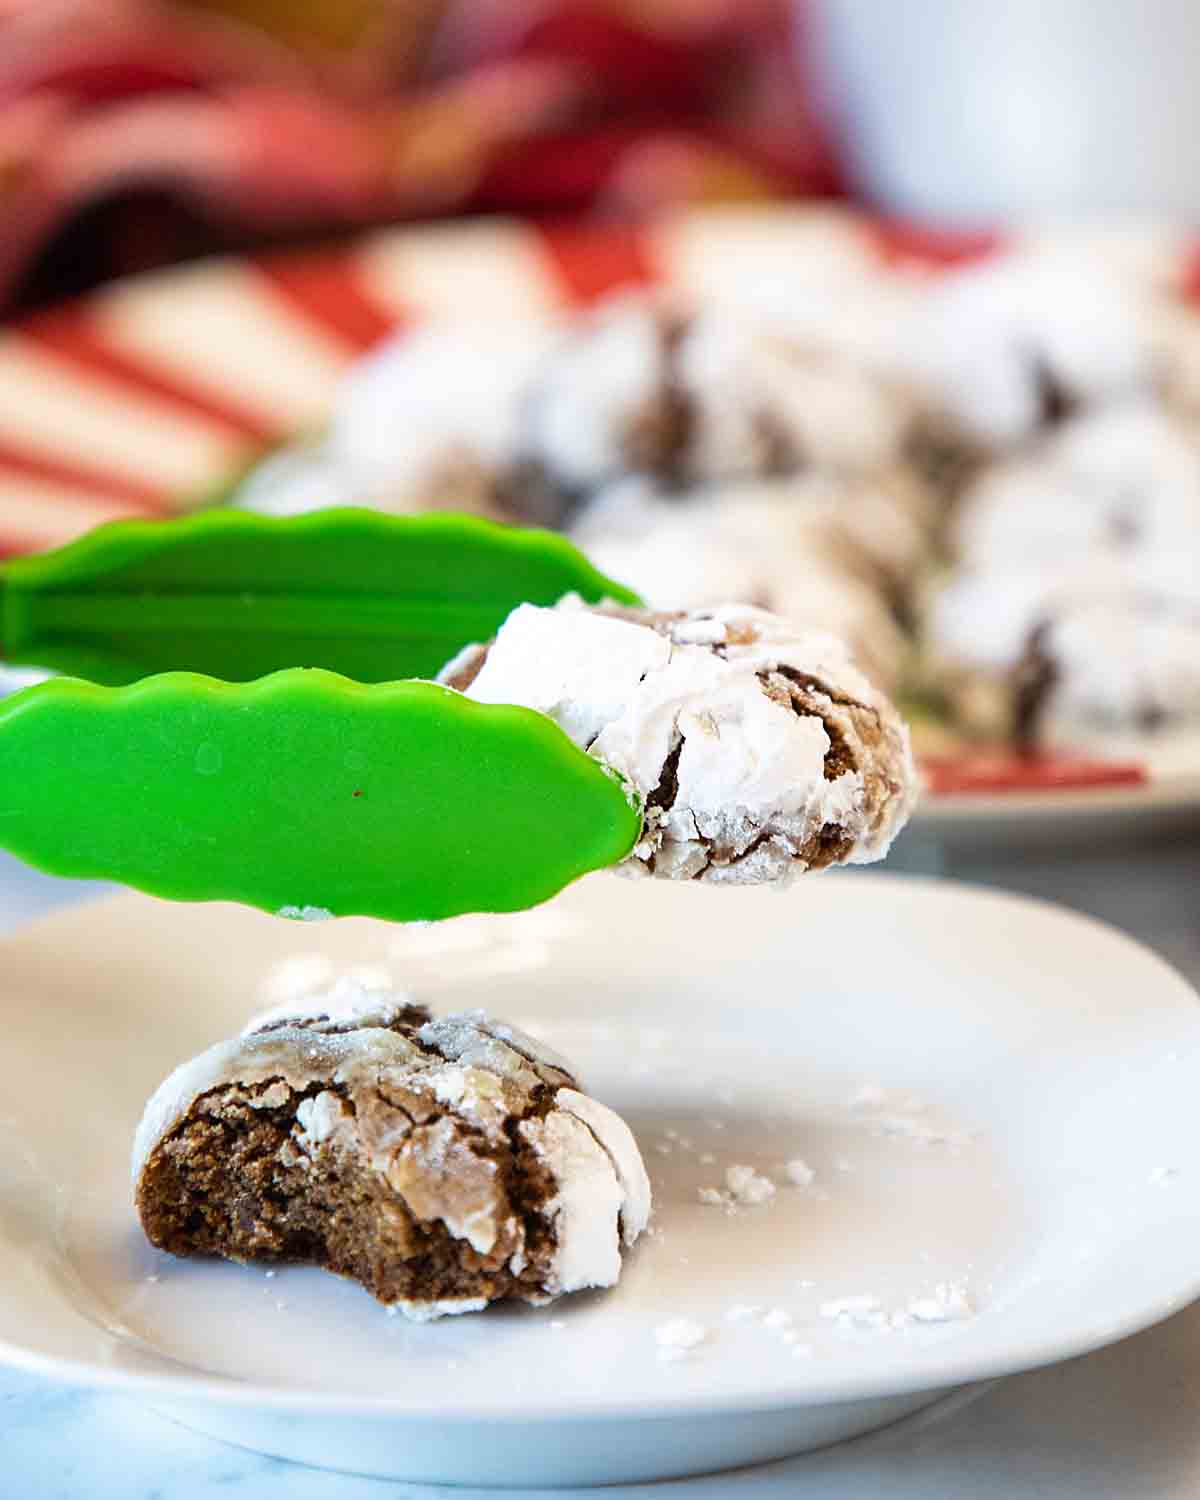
(1119, 1423)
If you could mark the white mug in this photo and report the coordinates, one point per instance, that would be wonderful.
(975, 112)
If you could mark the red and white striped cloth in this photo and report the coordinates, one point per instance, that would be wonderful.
(142, 397)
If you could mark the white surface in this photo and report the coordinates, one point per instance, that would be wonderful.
(975, 113)
(1070, 1054)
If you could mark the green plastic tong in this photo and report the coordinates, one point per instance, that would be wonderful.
(242, 717)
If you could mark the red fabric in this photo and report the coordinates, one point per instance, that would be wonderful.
(326, 292)
(439, 105)
(590, 262)
(70, 334)
(1001, 770)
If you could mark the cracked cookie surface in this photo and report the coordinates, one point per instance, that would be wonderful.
(757, 751)
(444, 1163)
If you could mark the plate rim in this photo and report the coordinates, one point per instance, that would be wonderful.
(1157, 794)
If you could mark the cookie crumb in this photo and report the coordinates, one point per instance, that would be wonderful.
(748, 1186)
(949, 1303)
(799, 1172)
(849, 1307)
(678, 1337)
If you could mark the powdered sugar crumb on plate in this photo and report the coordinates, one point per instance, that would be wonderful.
(748, 1186)
(849, 1307)
(949, 1303)
(905, 1117)
(678, 1338)
(744, 1188)
(743, 1312)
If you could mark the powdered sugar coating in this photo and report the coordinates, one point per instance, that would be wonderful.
(432, 402)
(1127, 477)
(599, 394)
(742, 778)
(343, 1005)
(430, 418)
(1110, 640)
(585, 1209)
(617, 1140)
(1076, 606)
(762, 403)
(1120, 664)
(643, 385)
(816, 551)
(1005, 344)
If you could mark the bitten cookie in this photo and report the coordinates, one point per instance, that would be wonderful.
(444, 1163)
(757, 750)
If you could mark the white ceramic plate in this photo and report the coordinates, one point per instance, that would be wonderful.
(1165, 802)
(1036, 1143)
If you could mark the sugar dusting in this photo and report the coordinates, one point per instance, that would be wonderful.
(947, 1302)
(678, 1338)
(750, 794)
(744, 1188)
